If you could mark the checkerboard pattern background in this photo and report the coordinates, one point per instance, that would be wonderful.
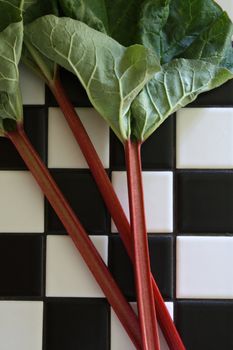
(48, 299)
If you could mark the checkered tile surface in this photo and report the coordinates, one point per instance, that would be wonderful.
(48, 298)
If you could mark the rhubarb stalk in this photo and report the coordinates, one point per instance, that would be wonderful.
(147, 314)
(80, 238)
(141, 260)
(113, 204)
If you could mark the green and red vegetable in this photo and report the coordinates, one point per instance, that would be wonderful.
(194, 58)
(173, 51)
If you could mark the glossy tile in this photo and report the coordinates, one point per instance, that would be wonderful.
(73, 88)
(21, 203)
(21, 325)
(77, 324)
(204, 267)
(161, 254)
(63, 151)
(197, 146)
(83, 196)
(205, 202)
(205, 325)
(21, 262)
(120, 339)
(66, 273)
(158, 199)
(35, 128)
(157, 151)
(163, 343)
(220, 97)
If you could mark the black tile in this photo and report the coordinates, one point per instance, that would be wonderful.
(205, 325)
(73, 88)
(157, 151)
(222, 96)
(35, 127)
(21, 265)
(82, 194)
(161, 252)
(77, 324)
(161, 259)
(205, 202)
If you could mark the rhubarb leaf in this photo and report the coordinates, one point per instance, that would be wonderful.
(192, 38)
(178, 84)
(39, 8)
(115, 17)
(11, 38)
(111, 74)
(186, 21)
(31, 57)
(9, 13)
(207, 63)
(91, 12)
(10, 51)
(166, 26)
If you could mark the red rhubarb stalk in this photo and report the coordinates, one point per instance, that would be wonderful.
(146, 306)
(113, 204)
(80, 238)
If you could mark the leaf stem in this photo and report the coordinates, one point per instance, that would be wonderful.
(79, 236)
(146, 305)
(113, 204)
(21, 5)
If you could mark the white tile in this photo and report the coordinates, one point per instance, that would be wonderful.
(158, 199)
(163, 343)
(21, 203)
(32, 87)
(66, 273)
(119, 337)
(204, 138)
(227, 5)
(21, 325)
(63, 150)
(204, 267)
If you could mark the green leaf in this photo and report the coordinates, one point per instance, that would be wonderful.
(11, 38)
(196, 31)
(11, 110)
(31, 57)
(208, 64)
(186, 21)
(10, 13)
(178, 84)
(38, 8)
(213, 43)
(154, 16)
(171, 24)
(111, 74)
(91, 12)
(10, 52)
(45, 68)
(123, 18)
(117, 18)
(191, 29)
